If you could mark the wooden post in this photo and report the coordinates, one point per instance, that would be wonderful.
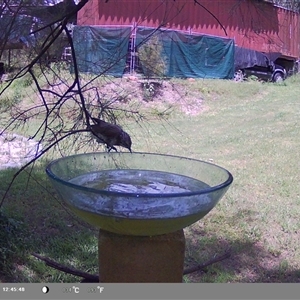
(124, 258)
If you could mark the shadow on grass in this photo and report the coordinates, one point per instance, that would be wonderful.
(249, 261)
(36, 221)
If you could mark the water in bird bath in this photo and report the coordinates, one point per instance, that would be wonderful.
(139, 182)
(144, 194)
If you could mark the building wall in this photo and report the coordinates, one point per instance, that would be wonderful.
(252, 24)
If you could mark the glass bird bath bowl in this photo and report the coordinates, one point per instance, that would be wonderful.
(140, 202)
(140, 194)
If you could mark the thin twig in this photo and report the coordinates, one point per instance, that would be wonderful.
(95, 278)
(210, 262)
(65, 269)
(34, 159)
(198, 3)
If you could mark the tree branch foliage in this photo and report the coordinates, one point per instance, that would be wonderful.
(60, 103)
(56, 111)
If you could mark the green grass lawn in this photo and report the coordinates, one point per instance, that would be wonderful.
(249, 128)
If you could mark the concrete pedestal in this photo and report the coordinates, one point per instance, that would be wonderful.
(124, 258)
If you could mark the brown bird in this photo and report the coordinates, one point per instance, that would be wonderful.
(110, 134)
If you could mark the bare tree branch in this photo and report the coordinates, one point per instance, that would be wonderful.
(35, 158)
(72, 101)
(213, 15)
(95, 278)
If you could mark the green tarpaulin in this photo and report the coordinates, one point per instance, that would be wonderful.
(103, 50)
(193, 56)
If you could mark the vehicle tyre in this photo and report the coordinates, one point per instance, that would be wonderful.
(278, 77)
(238, 76)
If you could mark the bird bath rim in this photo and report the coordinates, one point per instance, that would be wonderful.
(211, 189)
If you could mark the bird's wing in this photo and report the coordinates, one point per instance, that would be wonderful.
(109, 134)
(104, 124)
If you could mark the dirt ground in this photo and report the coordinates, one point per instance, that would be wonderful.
(156, 92)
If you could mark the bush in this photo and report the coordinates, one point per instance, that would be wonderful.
(151, 58)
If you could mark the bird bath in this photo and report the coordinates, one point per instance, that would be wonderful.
(140, 202)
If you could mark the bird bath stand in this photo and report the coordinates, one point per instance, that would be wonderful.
(141, 202)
